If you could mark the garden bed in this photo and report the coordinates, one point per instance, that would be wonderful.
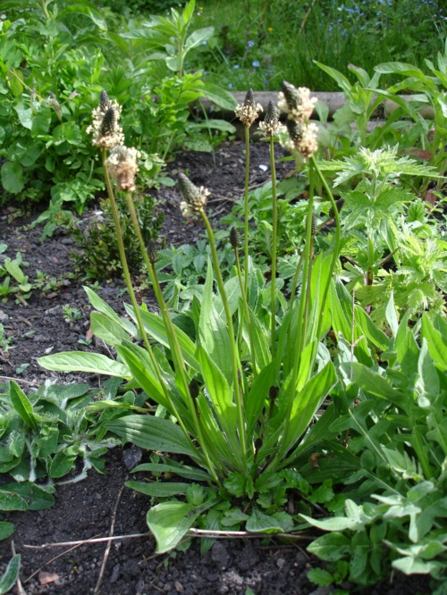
(99, 506)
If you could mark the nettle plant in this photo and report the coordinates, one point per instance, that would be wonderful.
(387, 246)
(239, 396)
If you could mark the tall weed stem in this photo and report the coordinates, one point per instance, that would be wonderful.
(246, 210)
(337, 240)
(247, 312)
(274, 245)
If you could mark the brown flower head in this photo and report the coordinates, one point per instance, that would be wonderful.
(296, 102)
(106, 131)
(235, 238)
(194, 198)
(271, 124)
(122, 166)
(249, 110)
(152, 251)
(303, 138)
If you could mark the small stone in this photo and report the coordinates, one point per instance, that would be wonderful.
(115, 573)
(131, 457)
(178, 587)
(3, 317)
(219, 554)
(280, 563)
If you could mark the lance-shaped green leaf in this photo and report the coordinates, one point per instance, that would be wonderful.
(153, 433)
(106, 329)
(22, 405)
(154, 325)
(80, 361)
(101, 306)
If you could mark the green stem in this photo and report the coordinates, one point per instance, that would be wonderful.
(337, 239)
(247, 312)
(274, 245)
(236, 365)
(246, 211)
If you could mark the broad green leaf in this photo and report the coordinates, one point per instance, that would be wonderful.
(143, 372)
(428, 374)
(169, 521)
(86, 8)
(36, 497)
(154, 325)
(320, 577)
(437, 343)
(338, 77)
(11, 501)
(331, 547)
(258, 522)
(198, 37)
(6, 530)
(375, 384)
(219, 96)
(106, 329)
(370, 330)
(79, 361)
(308, 401)
(410, 565)
(61, 464)
(153, 433)
(15, 271)
(188, 11)
(100, 305)
(12, 177)
(8, 579)
(22, 405)
(391, 316)
(340, 523)
(158, 489)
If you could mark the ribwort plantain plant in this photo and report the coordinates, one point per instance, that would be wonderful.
(241, 399)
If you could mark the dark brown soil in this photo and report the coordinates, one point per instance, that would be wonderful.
(86, 509)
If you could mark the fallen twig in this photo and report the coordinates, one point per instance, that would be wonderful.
(109, 543)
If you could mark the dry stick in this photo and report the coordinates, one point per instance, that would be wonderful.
(43, 546)
(191, 532)
(109, 543)
(19, 380)
(52, 560)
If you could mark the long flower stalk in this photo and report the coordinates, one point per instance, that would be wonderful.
(234, 240)
(274, 246)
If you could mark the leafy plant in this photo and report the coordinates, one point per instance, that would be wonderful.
(99, 256)
(374, 231)
(238, 396)
(395, 515)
